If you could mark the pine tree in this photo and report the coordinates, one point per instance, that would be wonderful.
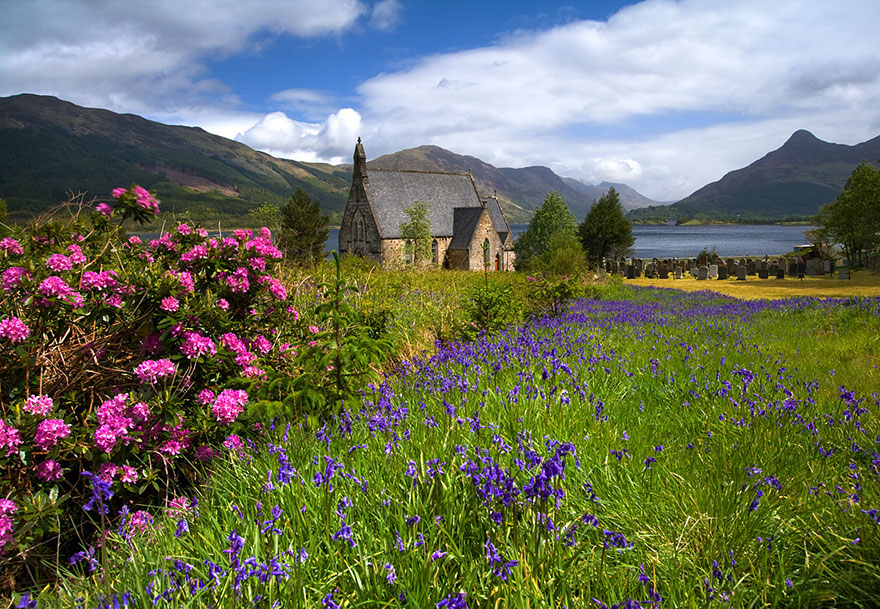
(304, 229)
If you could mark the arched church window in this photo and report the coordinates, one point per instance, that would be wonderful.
(435, 252)
(486, 253)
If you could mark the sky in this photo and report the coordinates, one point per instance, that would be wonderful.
(662, 95)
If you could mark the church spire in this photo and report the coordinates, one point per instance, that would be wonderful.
(359, 168)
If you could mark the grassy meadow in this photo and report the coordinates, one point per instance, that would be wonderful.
(652, 448)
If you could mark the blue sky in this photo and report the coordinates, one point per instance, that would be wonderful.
(662, 95)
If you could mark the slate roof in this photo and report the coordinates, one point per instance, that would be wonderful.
(464, 224)
(498, 219)
(392, 192)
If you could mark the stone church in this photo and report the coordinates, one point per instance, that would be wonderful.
(467, 232)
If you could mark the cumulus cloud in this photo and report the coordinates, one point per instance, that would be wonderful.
(146, 56)
(330, 141)
(553, 96)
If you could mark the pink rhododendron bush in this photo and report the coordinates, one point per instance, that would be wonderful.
(130, 361)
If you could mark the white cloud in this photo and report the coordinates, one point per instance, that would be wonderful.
(146, 56)
(331, 141)
(573, 96)
(386, 14)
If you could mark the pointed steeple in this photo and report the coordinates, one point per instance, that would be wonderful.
(359, 168)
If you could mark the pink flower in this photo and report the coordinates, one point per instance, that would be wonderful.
(314, 329)
(14, 329)
(169, 304)
(184, 229)
(149, 371)
(38, 405)
(49, 470)
(233, 442)
(262, 343)
(145, 200)
(103, 208)
(198, 252)
(118, 192)
(9, 438)
(141, 521)
(257, 263)
(206, 396)
(134, 240)
(76, 255)
(294, 313)
(105, 438)
(13, 276)
(11, 246)
(222, 303)
(275, 287)
(129, 474)
(140, 411)
(107, 472)
(55, 286)
(49, 431)
(7, 506)
(253, 372)
(196, 345)
(238, 280)
(228, 405)
(99, 281)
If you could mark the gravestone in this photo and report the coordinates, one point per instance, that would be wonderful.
(722, 272)
(780, 273)
(826, 266)
(630, 271)
(773, 268)
(649, 270)
(751, 267)
(713, 271)
(703, 273)
(792, 266)
(731, 267)
(741, 272)
(843, 273)
(678, 272)
(800, 268)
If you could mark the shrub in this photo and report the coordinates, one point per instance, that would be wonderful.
(127, 361)
(487, 309)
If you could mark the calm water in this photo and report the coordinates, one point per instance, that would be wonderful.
(670, 241)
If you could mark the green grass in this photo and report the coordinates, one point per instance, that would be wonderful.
(662, 368)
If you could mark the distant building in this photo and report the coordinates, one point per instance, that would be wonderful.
(467, 232)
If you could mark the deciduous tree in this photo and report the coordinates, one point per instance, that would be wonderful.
(552, 218)
(853, 218)
(417, 233)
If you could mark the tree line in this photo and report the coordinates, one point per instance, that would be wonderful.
(555, 243)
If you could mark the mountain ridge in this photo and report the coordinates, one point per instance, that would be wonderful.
(789, 183)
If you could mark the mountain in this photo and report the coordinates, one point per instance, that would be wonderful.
(790, 183)
(49, 147)
(520, 191)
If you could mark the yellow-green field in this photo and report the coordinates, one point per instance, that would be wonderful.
(862, 283)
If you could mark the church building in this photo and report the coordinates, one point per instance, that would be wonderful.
(467, 232)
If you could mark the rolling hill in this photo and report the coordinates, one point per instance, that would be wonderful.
(790, 183)
(50, 148)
